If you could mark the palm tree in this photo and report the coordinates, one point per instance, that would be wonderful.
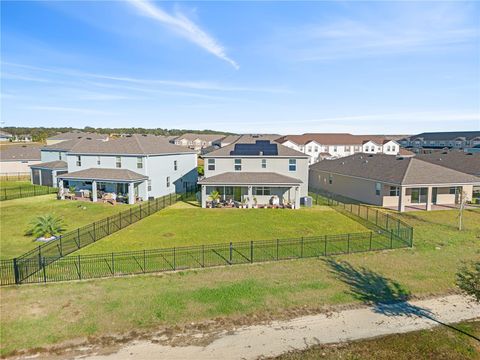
(215, 196)
(46, 226)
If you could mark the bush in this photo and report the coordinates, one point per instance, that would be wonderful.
(468, 279)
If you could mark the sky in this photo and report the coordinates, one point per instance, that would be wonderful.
(245, 67)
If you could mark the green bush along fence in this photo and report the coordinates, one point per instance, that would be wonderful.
(36, 259)
(181, 258)
(25, 191)
(373, 217)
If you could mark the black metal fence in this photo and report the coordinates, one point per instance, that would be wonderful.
(373, 218)
(36, 259)
(10, 193)
(181, 258)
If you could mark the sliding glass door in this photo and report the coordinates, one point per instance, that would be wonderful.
(419, 195)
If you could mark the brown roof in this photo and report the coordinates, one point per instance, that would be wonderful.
(104, 174)
(203, 137)
(332, 138)
(77, 135)
(394, 170)
(129, 145)
(20, 152)
(457, 160)
(227, 150)
(250, 178)
(54, 165)
(406, 152)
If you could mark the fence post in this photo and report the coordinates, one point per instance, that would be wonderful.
(367, 213)
(108, 225)
(120, 220)
(39, 257)
(44, 271)
(170, 198)
(325, 252)
(15, 271)
(34, 191)
(203, 255)
(95, 231)
(277, 249)
(231, 250)
(174, 259)
(78, 237)
(113, 265)
(61, 246)
(348, 243)
(301, 247)
(376, 217)
(251, 251)
(386, 226)
(371, 235)
(391, 239)
(316, 200)
(79, 269)
(20, 189)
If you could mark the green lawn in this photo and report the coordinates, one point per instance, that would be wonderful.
(13, 184)
(438, 343)
(184, 225)
(39, 315)
(16, 215)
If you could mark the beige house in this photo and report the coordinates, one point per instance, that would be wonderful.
(402, 183)
(197, 141)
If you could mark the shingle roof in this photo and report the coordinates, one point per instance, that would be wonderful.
(227, 150)
(54, 165)
(448, 135)
(204, 137)
(457, 160)
(129, 145)
(394, 170)
(77, 135)
(104, 174)
(250, 178)
(20, 152)
(332, 138)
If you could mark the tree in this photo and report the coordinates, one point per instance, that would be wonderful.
(215, 196)
(46, 226)
(468, 279)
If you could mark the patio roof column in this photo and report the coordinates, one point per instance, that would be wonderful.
(94, 191)
(131, 193)
(429, 198)
(61, 189)
(204, 196)
(401, 199)
(250, 196)
(297, 198)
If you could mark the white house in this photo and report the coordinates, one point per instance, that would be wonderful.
(256, 172)
(136, 167)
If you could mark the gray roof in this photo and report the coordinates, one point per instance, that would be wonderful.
(129, 145)
(77, 135)
(456, 160)
(227, 150)
(104, 174)
(394, 170)
(250, 178)
(448, 135)
(20, 152)
(54, 165)
(203, 137)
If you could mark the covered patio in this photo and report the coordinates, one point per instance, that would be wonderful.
(107, 185)
(251, 190)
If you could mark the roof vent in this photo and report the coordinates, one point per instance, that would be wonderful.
(89, 138)
(260, 152)
(370, 155)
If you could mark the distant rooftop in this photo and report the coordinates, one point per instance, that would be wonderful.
(78, 135)
(20, 152)
(251, 146)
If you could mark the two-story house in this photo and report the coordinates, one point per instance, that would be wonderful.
(254, 171)
(431, 141)
(197, 141)
(132, 167)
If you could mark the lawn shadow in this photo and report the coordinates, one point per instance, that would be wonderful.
(384, 295)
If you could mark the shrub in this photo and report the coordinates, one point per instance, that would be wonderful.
(468, 279)
(46, 226)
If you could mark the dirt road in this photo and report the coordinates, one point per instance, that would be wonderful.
(252, 342)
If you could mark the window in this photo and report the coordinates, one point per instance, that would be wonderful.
(356, 149)
(238, 164)
(452, 190)
(149, 185)
(372, 148)
(261, 191)
(316, 148)
(292, 165)
(175, 165)
(139, 162)
(79, 160)
(264, 163)
(388, 148)
(394, 191)
(309, 149)
(59, 156)
(378, 189)
(118, 162)
(330, 178)
(211, 164)
(347, 148)
(98, 160)
(335, 148)
(168, 181)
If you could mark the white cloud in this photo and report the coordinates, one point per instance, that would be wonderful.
(185, 27)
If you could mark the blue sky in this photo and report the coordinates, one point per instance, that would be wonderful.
(277, 67)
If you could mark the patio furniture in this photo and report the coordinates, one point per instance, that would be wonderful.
(109, 198)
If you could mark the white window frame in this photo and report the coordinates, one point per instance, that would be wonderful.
(292, 165)
(79, 160)
(175, 165)
(139, 162)
(237, 164)
(118, 162)
(211, 164)
(378, 189)
(264, 163)
(168, 181)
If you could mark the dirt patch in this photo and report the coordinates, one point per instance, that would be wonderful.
(168, 235)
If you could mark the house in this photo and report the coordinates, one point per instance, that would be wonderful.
(5, 136)
(439, 140)
(335, 145)
(256, 170)
(197, 141)
(136, 167)
(16, 158)
(392, 181)
(74, 135)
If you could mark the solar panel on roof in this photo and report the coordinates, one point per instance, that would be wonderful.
(261, 147)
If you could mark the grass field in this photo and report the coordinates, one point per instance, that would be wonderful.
(39, 315)
(13, 184)
(437, 343)
(185, 225)
(16, 215)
